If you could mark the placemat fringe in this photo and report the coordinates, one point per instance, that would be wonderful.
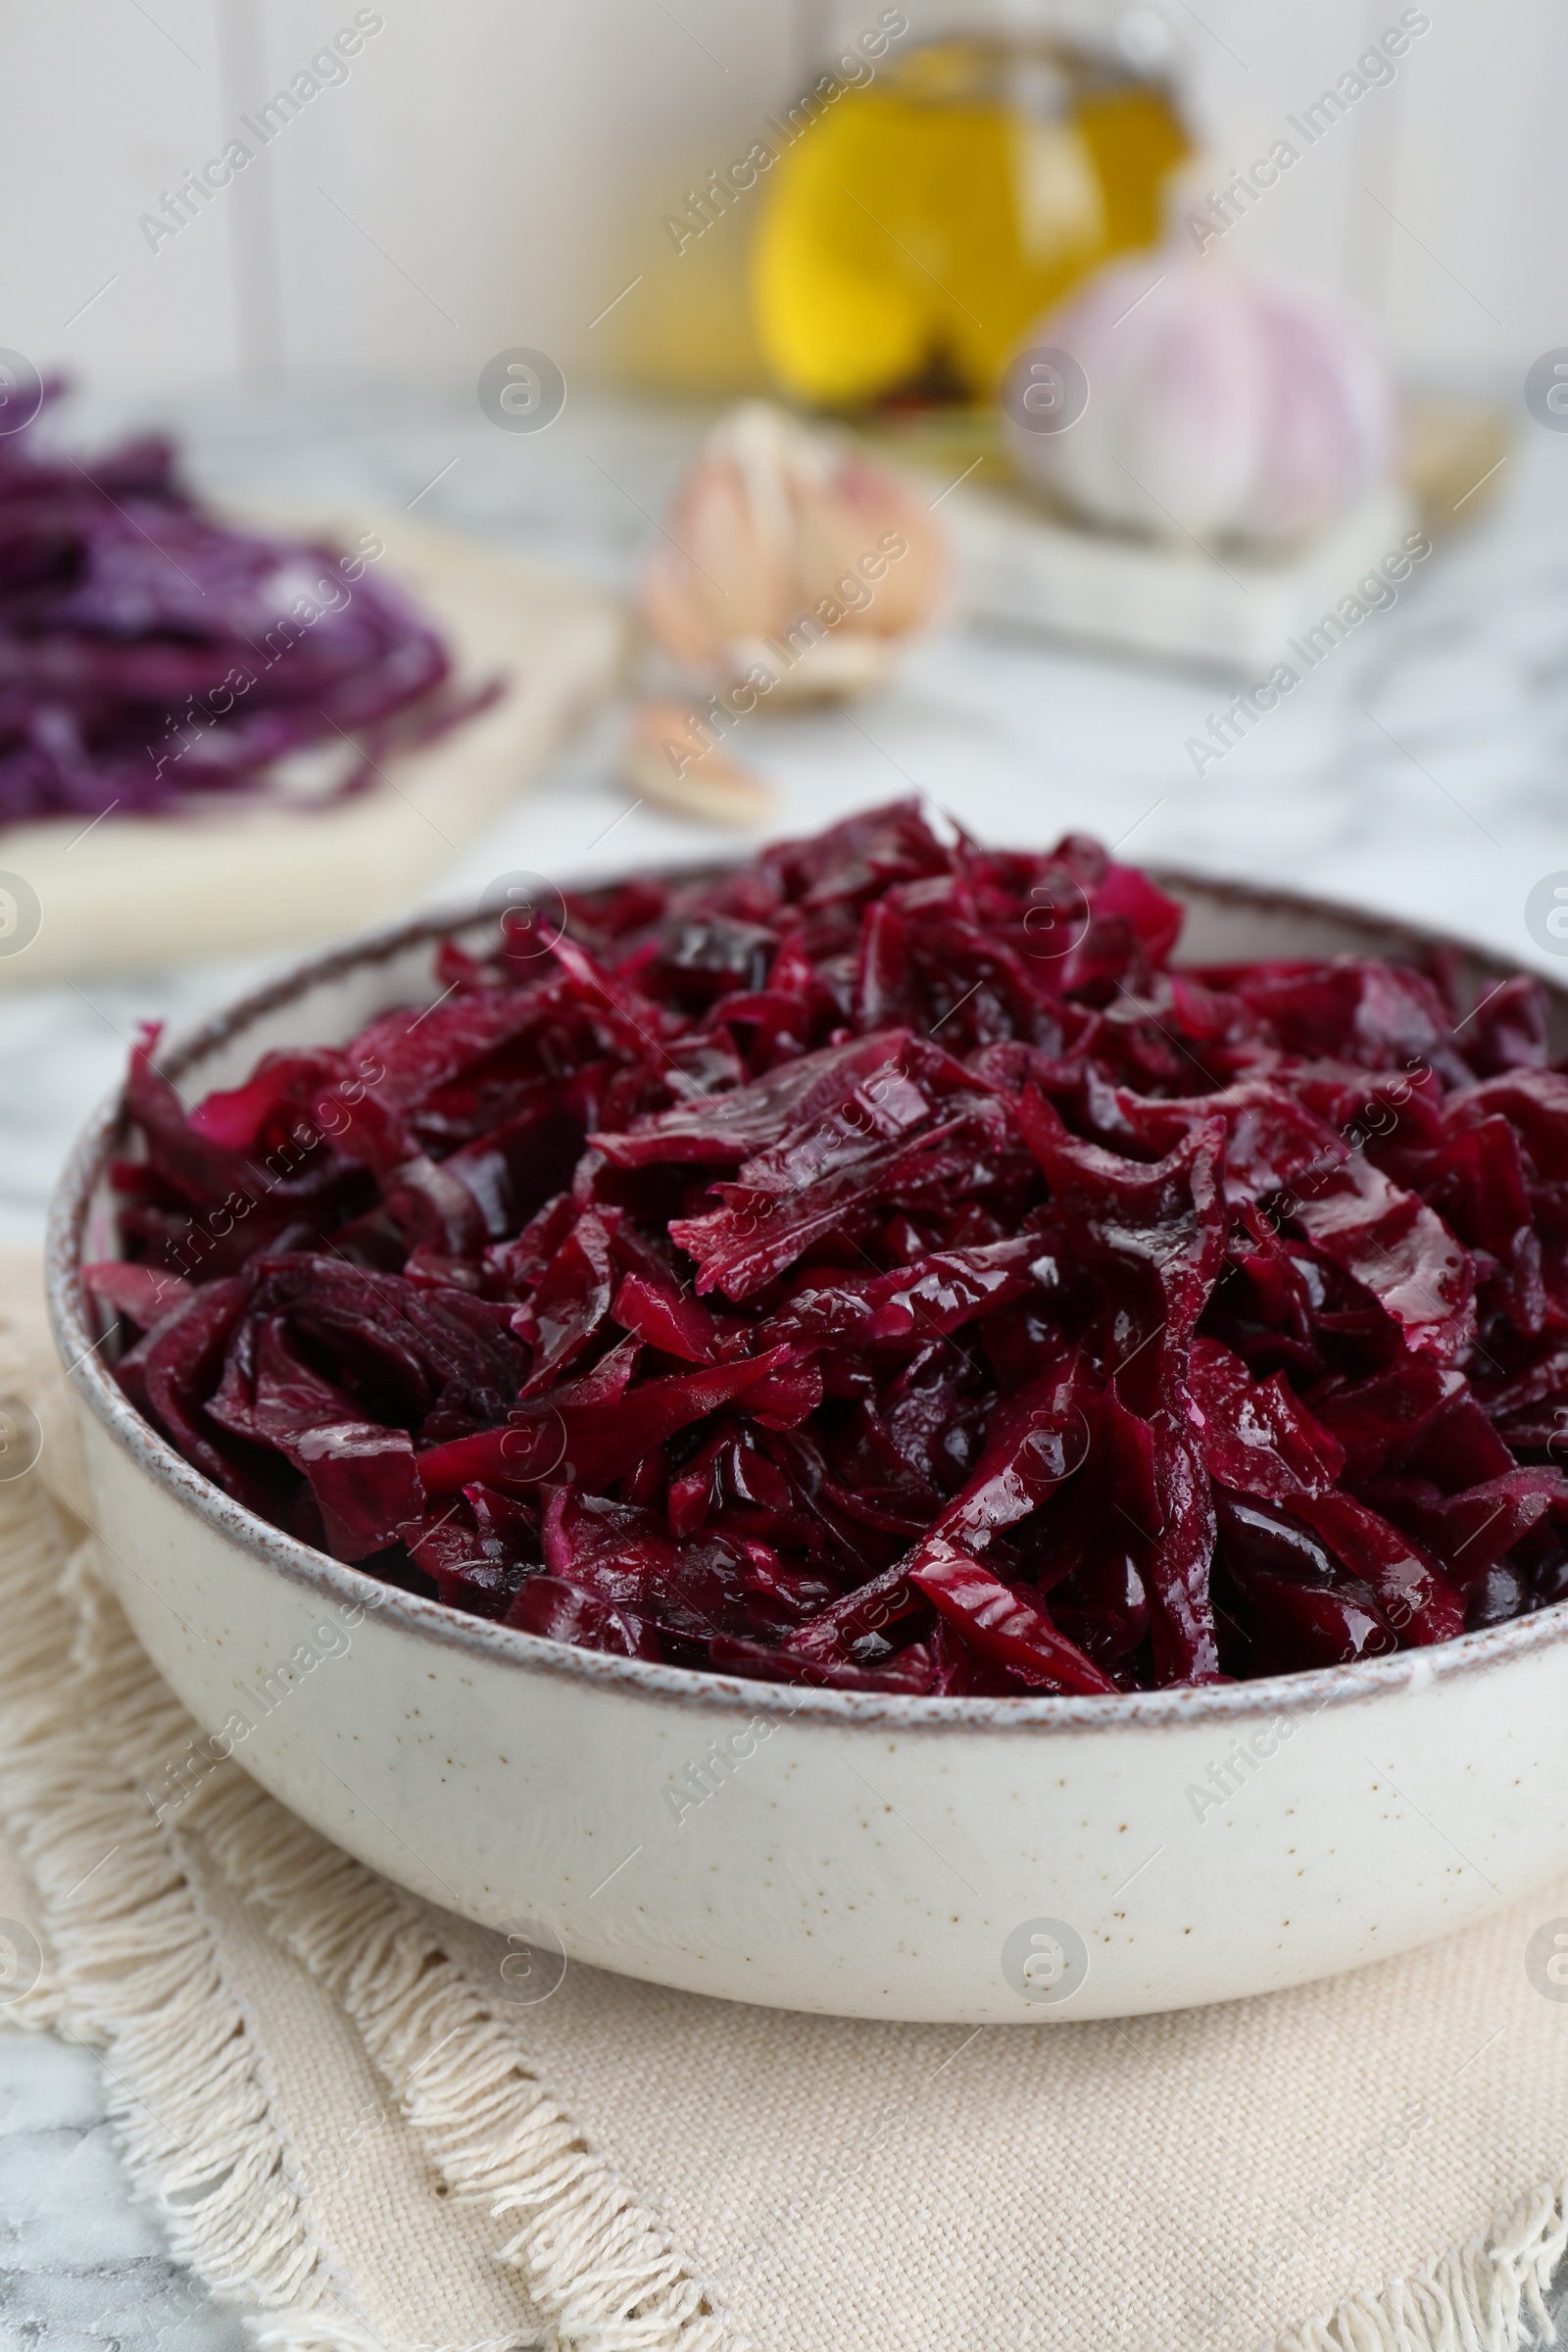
(593, 2260)
(1477, 2299)
(319, 2331)
(181, 2078)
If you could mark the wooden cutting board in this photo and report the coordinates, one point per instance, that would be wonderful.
(132, 892)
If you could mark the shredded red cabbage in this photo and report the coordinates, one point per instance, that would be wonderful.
(150, 652)
(875, 1267)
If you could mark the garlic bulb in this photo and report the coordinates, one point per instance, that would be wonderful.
(792, 562)
(1221, 404)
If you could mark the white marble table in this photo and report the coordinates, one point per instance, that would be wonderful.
(1421, 768)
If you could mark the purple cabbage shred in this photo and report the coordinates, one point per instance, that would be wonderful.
(153, 654)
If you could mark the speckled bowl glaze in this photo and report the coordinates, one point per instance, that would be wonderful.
(965, 1860)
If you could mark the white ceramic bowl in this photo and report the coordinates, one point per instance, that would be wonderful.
(972, 1860)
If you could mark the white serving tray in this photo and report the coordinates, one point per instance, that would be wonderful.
(1023, 566)
(133, 892)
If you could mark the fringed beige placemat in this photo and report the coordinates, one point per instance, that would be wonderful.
(353, 2126)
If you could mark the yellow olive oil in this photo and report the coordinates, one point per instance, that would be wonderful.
(917, 226)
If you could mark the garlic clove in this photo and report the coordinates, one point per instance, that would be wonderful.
(1168, 445)
(729, 555)
(671, 760)
(1336, 417)
(780, 534)
(1194, 417)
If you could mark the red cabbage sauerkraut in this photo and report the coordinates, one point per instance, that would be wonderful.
(876, 1267)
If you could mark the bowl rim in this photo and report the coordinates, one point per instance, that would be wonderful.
(1218, 1706)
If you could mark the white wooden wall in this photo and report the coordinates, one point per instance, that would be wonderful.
(495, 172)
(1439, 201)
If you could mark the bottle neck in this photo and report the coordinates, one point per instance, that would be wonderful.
(1141, 33)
